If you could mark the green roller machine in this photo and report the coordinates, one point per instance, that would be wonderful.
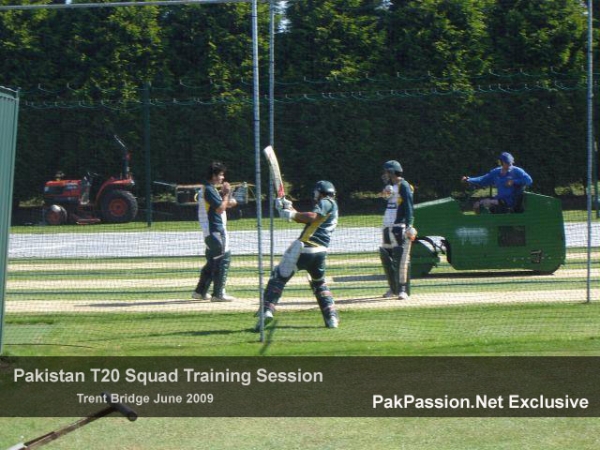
(531, 239)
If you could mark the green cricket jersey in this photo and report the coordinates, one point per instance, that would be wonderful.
(208, 202)
(319, 232)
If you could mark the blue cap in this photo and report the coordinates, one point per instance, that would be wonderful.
(506, 158)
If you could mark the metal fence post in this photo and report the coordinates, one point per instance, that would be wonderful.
(590, 144)
(146, 98)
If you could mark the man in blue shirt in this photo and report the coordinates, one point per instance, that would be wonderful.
(308, 252)
(509, 180)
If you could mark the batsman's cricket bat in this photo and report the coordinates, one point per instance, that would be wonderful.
(275, 172)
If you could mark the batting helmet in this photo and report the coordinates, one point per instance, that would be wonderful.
(325, 188)
(393, 166)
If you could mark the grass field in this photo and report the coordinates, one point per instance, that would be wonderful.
(537, 329)
(314, 434)
(141, 307)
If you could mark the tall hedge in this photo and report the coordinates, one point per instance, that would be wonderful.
(441, 85)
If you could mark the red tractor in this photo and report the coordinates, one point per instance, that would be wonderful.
(90, 200)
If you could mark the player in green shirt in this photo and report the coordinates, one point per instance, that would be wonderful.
(212, 216)
(398, 231)
(308, 252)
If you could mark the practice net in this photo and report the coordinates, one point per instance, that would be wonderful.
(99, 264)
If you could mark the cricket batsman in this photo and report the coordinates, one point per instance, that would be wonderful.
(398, 231)
(308, 252)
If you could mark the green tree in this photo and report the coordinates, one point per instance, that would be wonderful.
(210, 46)
(329, 38)
(534, 34)
(107, 48)
(24, 37)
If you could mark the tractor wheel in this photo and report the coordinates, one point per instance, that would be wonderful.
(118, 206)
(55, 215)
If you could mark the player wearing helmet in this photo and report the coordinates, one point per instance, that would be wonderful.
(308, 252)
(398, 231)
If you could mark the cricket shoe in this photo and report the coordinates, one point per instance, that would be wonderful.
(403, 296)
(332, 322)
(268, 320)
(388, 294)
(223, 298)
(199, 296)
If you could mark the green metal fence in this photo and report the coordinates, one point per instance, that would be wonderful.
(9, 109)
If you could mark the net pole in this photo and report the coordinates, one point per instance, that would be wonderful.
(148, 163)
(256, 103)
(9, 111)
(590, 143)
(596, 163)
(271, 126)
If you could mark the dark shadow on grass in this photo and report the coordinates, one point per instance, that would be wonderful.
(94, 293)
(490, 274)
(482, 274)
(189, 333)
(350, 278)
(299, 327)
(198, 333)
(349, 301)
(269, 332)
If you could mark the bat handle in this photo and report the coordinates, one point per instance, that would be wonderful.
(120, 407)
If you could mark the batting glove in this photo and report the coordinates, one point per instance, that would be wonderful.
(283, 203)
(287, 214)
